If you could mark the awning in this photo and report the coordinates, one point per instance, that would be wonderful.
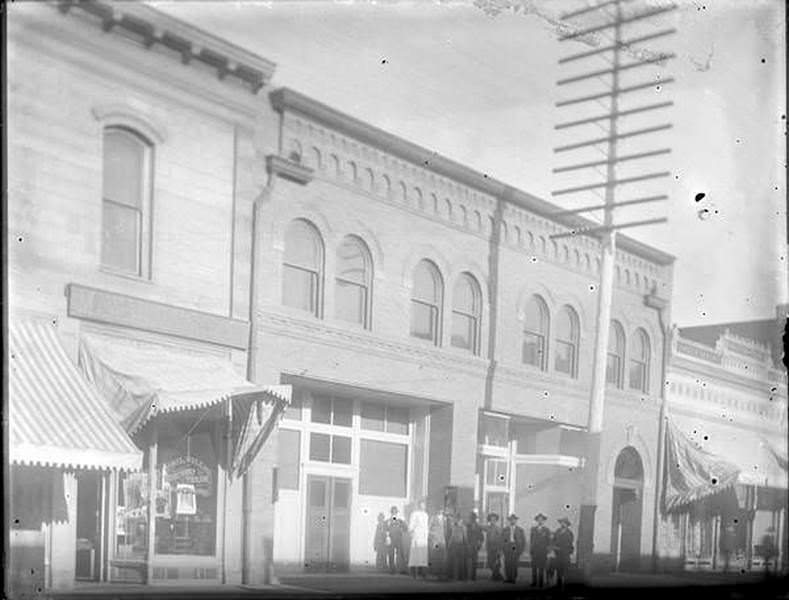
(140, 380)
(700, 451)
(55, 418)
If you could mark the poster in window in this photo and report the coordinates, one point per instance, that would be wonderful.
(163, 502)
(186, 502)
(120, 520)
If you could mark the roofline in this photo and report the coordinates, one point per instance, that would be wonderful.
(287, 99)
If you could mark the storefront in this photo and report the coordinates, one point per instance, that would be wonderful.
(728, 498)
(200, 426)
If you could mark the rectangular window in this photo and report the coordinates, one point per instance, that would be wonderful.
(342, 412)
(463, 327)
(289, 450)
(299, 288)
(373, 417)
(120, 245)
(350, 301)
(423, 321)
(320, 447)
(565, 359)
(383, 469)
(496, 473)
(533, 349)
(397, 420)
(341, 450)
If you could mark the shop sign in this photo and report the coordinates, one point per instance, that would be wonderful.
(188, 470)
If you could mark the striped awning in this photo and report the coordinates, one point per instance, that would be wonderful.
(140, 380)
(55, 417)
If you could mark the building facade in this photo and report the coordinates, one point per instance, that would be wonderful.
(132, 149)
(439, 344)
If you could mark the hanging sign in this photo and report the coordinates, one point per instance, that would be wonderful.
(192, 471)
(185, 499)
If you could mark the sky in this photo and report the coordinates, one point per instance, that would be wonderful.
(481, 88)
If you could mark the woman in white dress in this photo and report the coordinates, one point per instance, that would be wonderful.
(418, 530)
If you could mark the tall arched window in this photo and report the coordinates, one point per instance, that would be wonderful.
(566, 328)
(353, 282)
(126, 185)
(466, 313)
(616, 354)
(535, 333)
(426, 300)
(302, 267)
(639, 362)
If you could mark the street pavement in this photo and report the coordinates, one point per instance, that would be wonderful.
(370, 584)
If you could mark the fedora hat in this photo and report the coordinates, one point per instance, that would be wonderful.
(539, 516)
(564, 520)
(512, 517)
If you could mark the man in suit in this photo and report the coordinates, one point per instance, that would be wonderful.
(474, 538)
(396, 527)
(563, 543)
(539, 541)
(493, 546)
(514, 543)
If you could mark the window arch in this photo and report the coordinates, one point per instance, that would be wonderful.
(466, 313)
(616, 354)
(426, 302)
(353, 282)
(126, 186)
(567, 334)
(302, 267)
(535, 333)
(639, 361)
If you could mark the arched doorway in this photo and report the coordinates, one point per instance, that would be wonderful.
(627, 506)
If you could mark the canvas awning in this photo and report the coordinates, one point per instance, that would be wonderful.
(55, 417)
(704, 458)
(141, 380)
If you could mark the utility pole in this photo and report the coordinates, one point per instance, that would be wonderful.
(615, 20)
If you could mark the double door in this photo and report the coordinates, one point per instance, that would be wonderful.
(328, 530)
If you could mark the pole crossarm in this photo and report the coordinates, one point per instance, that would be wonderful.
(641, 63)
(607, 228)
(610, 184)
(610, 138)
(621, 113)
(575, 211)
(618, 159)
(619, 45)
(615, 92)
(618, 22)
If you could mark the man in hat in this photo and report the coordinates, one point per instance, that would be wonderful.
(493, 546)
(513, 546)
(539, 540)
(563, 544)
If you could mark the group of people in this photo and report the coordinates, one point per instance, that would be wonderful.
(448, 546)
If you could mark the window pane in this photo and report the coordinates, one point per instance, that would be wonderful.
(343, 412)
(303, 246)
(341, 449)
(397, 420)
(565, 358)
(298, 288)
(532, 349)
(612, 369)
(422, 321)
(373, 416)
(615, 339)
(463, 331)
(320, 447)
(317, 493)
(289, 450)
(351, 262)
(464, 298)
(349, 302)
(565, 325)
(426, 283)
(374, 479)
(321, 409)
(637, 375)
(496, 473)
(534, 317)
(124, 158)
(494, 431)
(120, 247)
(342, 494)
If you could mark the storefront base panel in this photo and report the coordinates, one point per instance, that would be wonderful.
(184, 570)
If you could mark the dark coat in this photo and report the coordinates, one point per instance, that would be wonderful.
(563, 542)
(474, 536)
(493, 538)
(396, 528)
(539, 540)
(519, 536)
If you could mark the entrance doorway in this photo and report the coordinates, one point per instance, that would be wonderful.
(627, 510)
(328, 531)
(88, 526)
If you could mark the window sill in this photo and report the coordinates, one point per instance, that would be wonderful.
(124, 275)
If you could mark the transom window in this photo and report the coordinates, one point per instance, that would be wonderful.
(126, 182)
(466, 312)
(353, 282)
(496, 473)
(302, 267)
(494, 431)
(639, 362)
(332, 411)
(381, 417)
(616, 354)
(426, 299)
(535, 333)
(566, 326)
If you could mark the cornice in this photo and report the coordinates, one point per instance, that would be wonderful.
(285, 99)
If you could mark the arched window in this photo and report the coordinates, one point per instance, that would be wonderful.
(302, 267)
(535, 333)
(616, 354)
(566, 328)
(353, 282)
(466, 313)
(426, 300)
(639, 362)
(126, 185)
